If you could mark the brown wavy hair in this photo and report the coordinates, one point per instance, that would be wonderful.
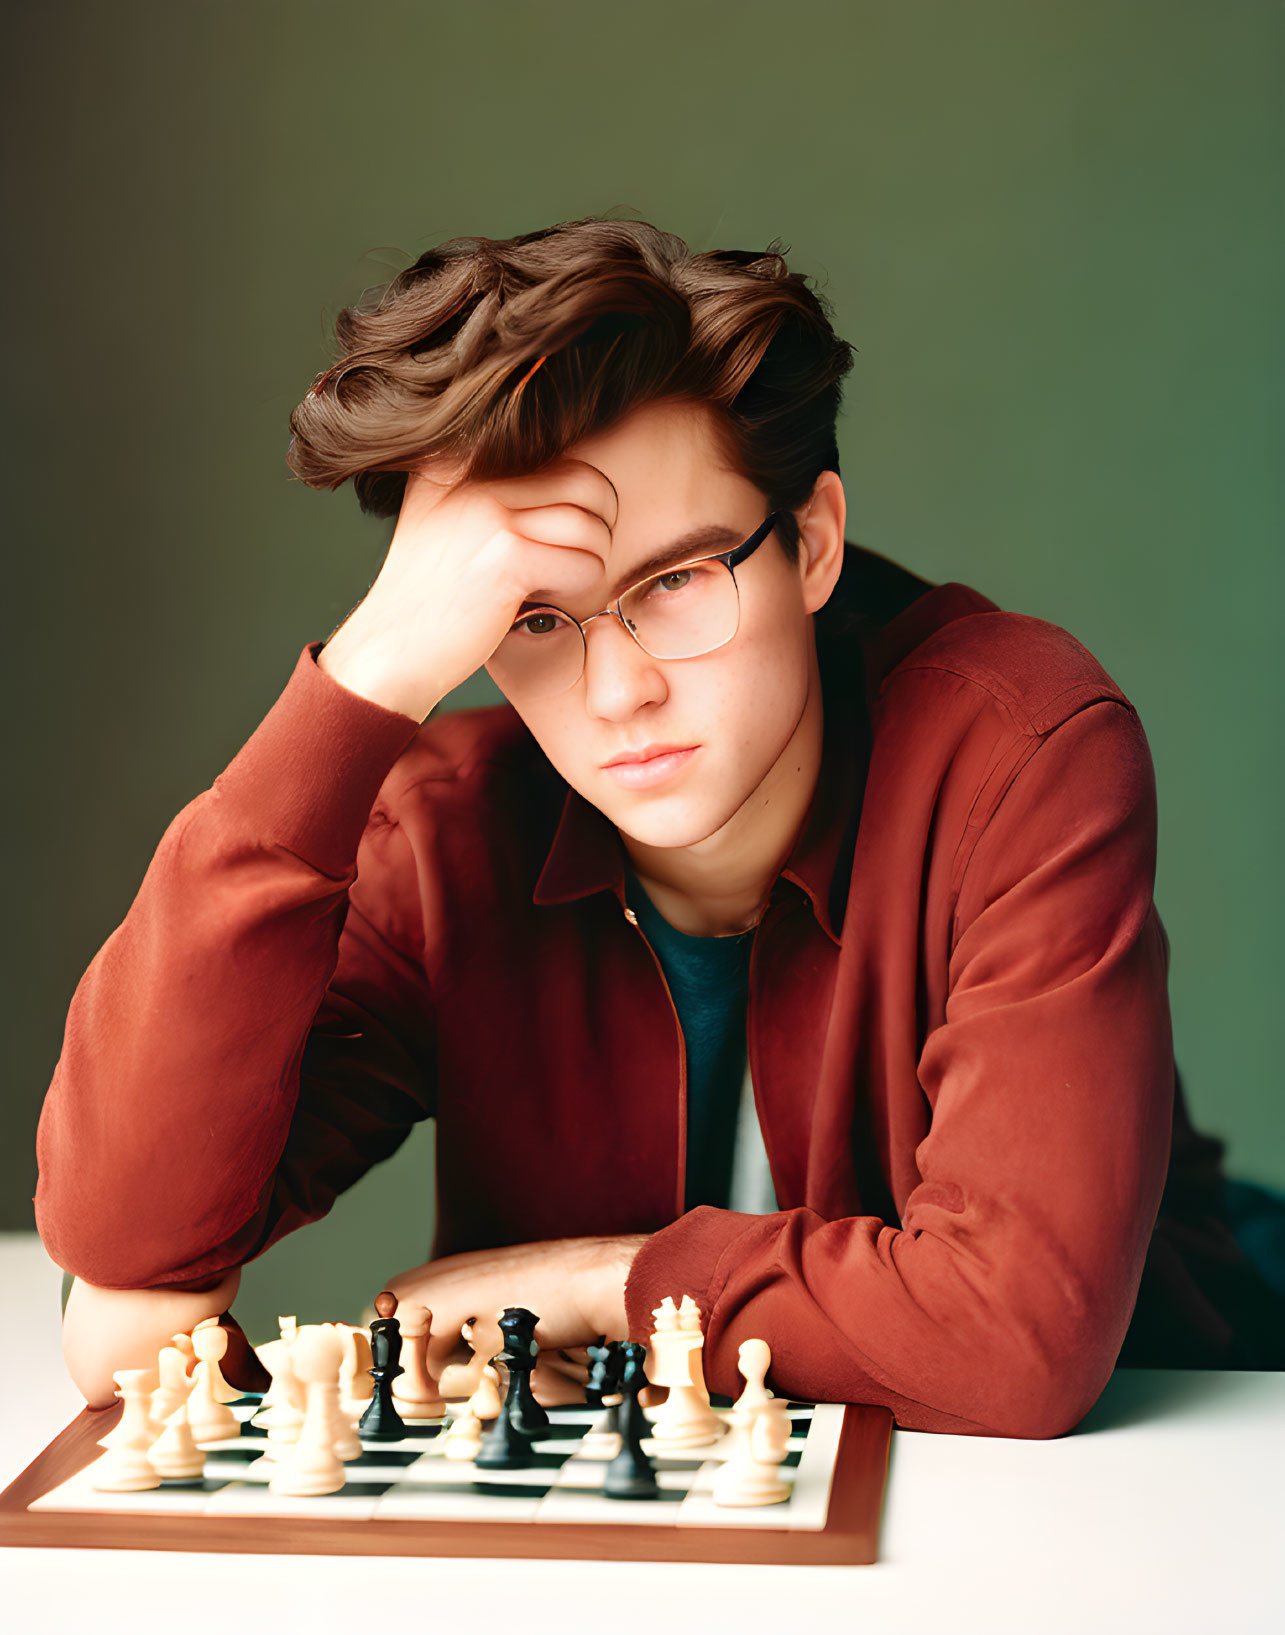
(501, 353)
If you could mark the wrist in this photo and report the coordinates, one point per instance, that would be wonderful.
(364, 669)
(616, 1257)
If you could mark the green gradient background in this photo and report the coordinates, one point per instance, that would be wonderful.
(1053, 231)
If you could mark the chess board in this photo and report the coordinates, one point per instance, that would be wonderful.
(407, 1498)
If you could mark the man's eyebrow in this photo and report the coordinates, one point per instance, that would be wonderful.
(692, 543)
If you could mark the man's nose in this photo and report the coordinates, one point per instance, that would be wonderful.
(619, 676)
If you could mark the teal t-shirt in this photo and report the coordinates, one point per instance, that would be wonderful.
(709, 980)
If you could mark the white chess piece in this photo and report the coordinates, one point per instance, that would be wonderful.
(415, 1393)
(125, 1467)
(750, 1476)
(753, 1359)
(486, 1340)
(356, 1386)
(223, 1391)
(463, 1437)
(175, 1384)
(311, 1466)
(174, 1454)
(282, 1410)
(685, 1419)
(208, 1414)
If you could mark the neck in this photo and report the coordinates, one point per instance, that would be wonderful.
(721, 885)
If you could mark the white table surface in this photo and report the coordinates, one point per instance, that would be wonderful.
(1163, 1512)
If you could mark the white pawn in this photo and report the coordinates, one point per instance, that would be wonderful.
(415, 1393)
(222, 1390)
(343, 1433)
(356, 1386)
(485, 1339)
(311, 1466)
(175, 1384)
(125, 1467)
(174, 1454)
(685, 1419)
(208, 1414)
(282, 1409)
(753, 1359)
(750, 1476)
(463, 1438)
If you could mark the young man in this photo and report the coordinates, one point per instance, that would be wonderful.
(787, 939)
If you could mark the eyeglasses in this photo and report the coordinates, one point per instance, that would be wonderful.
(681, 613)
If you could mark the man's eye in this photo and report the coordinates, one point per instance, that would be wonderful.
(537, 624)
(677, 580)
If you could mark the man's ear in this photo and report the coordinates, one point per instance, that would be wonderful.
(821, 525)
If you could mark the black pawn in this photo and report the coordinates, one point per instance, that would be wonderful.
(606, 1366)
(381, 1422)
(517, 1325)
(630, 1474)
(505, 1445)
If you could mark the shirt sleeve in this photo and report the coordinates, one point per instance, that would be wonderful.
(999, 1304)
(247, 1042)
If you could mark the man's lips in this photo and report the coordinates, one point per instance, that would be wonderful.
(649, 767)
(632, 757)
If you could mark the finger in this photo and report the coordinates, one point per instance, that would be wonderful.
(570, 527)
(576, 480)
(568, 1370)
(551, 1390)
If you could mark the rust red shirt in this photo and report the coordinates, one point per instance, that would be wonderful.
(958, 1027)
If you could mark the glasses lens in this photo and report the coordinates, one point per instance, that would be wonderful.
(542, 654)
(684, 612)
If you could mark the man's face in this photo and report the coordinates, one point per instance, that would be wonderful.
(733, 711)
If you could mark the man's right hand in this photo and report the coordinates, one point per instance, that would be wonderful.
(463, 558)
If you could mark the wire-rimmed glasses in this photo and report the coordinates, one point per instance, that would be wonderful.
(682, 612)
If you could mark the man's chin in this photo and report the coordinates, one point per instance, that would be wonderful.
(671, 825)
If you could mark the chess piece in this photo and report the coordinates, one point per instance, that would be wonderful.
(630, 1474)
(685, 1419)
(415, 1396)
(125, 1467)
(356, 1388)
(517, 1325)
(174, 1454)
(753, 1359)
(508, 1444)
(606, 1366)
(282, 1410)
(311, 1465)
(750, 1475)
(463, 1438)
(459, 1380)
(381, 1422)
(208, 1414)
(175, 1384)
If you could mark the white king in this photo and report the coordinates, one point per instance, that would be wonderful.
(686, 1419)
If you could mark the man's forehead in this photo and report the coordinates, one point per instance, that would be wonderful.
(640, 557)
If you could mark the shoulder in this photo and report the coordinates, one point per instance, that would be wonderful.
(1036, 672)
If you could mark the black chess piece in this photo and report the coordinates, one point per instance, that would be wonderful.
(381, 1422)
(606, 1365)
(630, 1475)
(517, 1325)
(505, 1445)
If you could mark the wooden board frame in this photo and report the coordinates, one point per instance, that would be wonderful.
(849, 1537)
